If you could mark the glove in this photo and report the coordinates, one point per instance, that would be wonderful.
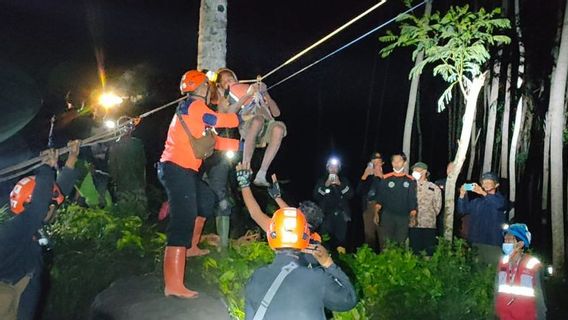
(274, 190)
(243, 178)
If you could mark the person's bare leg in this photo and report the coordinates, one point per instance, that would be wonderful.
(276, 137)
(250, 139)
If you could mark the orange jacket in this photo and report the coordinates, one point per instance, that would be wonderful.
(178, 148)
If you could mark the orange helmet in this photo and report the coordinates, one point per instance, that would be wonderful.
(288, 229)
(22, 194)
(191, 80)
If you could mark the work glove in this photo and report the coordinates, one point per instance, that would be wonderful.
(243, 178)
(274, 190)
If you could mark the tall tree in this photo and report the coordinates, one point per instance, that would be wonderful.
(413, 95)
(519, 115)
(557, 121)
(212, 40)
(505, 127)
(456, 44)
(492, 115)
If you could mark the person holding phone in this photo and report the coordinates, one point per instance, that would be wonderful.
(487, 216)
(332, 193)
(367, 190)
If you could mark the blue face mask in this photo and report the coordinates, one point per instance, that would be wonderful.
(508, 248)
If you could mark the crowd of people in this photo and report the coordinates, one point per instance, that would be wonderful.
(401, 207)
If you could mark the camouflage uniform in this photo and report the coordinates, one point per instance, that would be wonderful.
(422, 238)
(429, 198)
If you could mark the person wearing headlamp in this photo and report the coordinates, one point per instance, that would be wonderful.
(332, 194)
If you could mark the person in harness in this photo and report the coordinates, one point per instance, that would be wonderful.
(261, 130)
(191, 139)
(518, 287)
(278, 291)
(33, 203)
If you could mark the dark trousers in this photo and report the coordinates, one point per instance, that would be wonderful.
(30, 298)
(371, 229)
(422, 239)
(217, 176)
(188, 196)
(393, 228)
(335, 225)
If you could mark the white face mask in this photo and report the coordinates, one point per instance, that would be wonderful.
(398, 170)
(416, 175)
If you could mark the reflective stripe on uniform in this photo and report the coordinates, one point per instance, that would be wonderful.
(344, 191)
(532, 262)
(516, 290)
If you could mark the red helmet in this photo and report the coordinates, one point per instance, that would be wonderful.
(288, 229)
(191, 80)
(22, 194)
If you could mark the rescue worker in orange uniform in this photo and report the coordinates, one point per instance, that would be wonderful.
(178, 169)
(519, 294)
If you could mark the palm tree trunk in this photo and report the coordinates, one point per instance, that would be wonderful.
(463, 145)
(492, 115)
(212, 40)
(513, 156)
(557, 121)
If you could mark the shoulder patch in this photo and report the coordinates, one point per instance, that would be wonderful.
(185, 104)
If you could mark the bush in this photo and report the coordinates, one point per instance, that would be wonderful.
(96, 247)
(232, 271)
(399, 285)
(395, 284)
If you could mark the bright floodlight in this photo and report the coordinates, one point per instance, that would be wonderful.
(110, 124)
(230, 155)
(109, 100)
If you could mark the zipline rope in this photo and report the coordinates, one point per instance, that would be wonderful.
(346, 45)
(102, 137)
(114, 134)
(317, 43)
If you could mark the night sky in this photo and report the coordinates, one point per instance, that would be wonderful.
(325, 108)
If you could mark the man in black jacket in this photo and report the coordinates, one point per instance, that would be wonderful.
(33, 201)
(332, 194)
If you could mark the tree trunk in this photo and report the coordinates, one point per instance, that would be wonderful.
(419, 128)
(557, 120)
(513, 156)
(546, 162)
(505, 126)
(410, 108)
(468, 117)
(212, 40)
(472, 150)
(492, 115)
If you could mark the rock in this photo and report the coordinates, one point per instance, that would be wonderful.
(141, 298)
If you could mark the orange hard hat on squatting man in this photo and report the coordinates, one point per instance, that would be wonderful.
(288, 230)
(21, 195)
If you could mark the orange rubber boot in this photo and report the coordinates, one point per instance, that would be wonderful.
(174, 272)
(194, 251)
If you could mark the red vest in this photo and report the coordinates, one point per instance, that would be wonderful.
(516, 289)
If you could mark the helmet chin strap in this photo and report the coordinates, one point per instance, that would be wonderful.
(206, 97)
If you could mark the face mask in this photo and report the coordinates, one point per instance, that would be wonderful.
(398, 170)
(508, 248)
(416, 175)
